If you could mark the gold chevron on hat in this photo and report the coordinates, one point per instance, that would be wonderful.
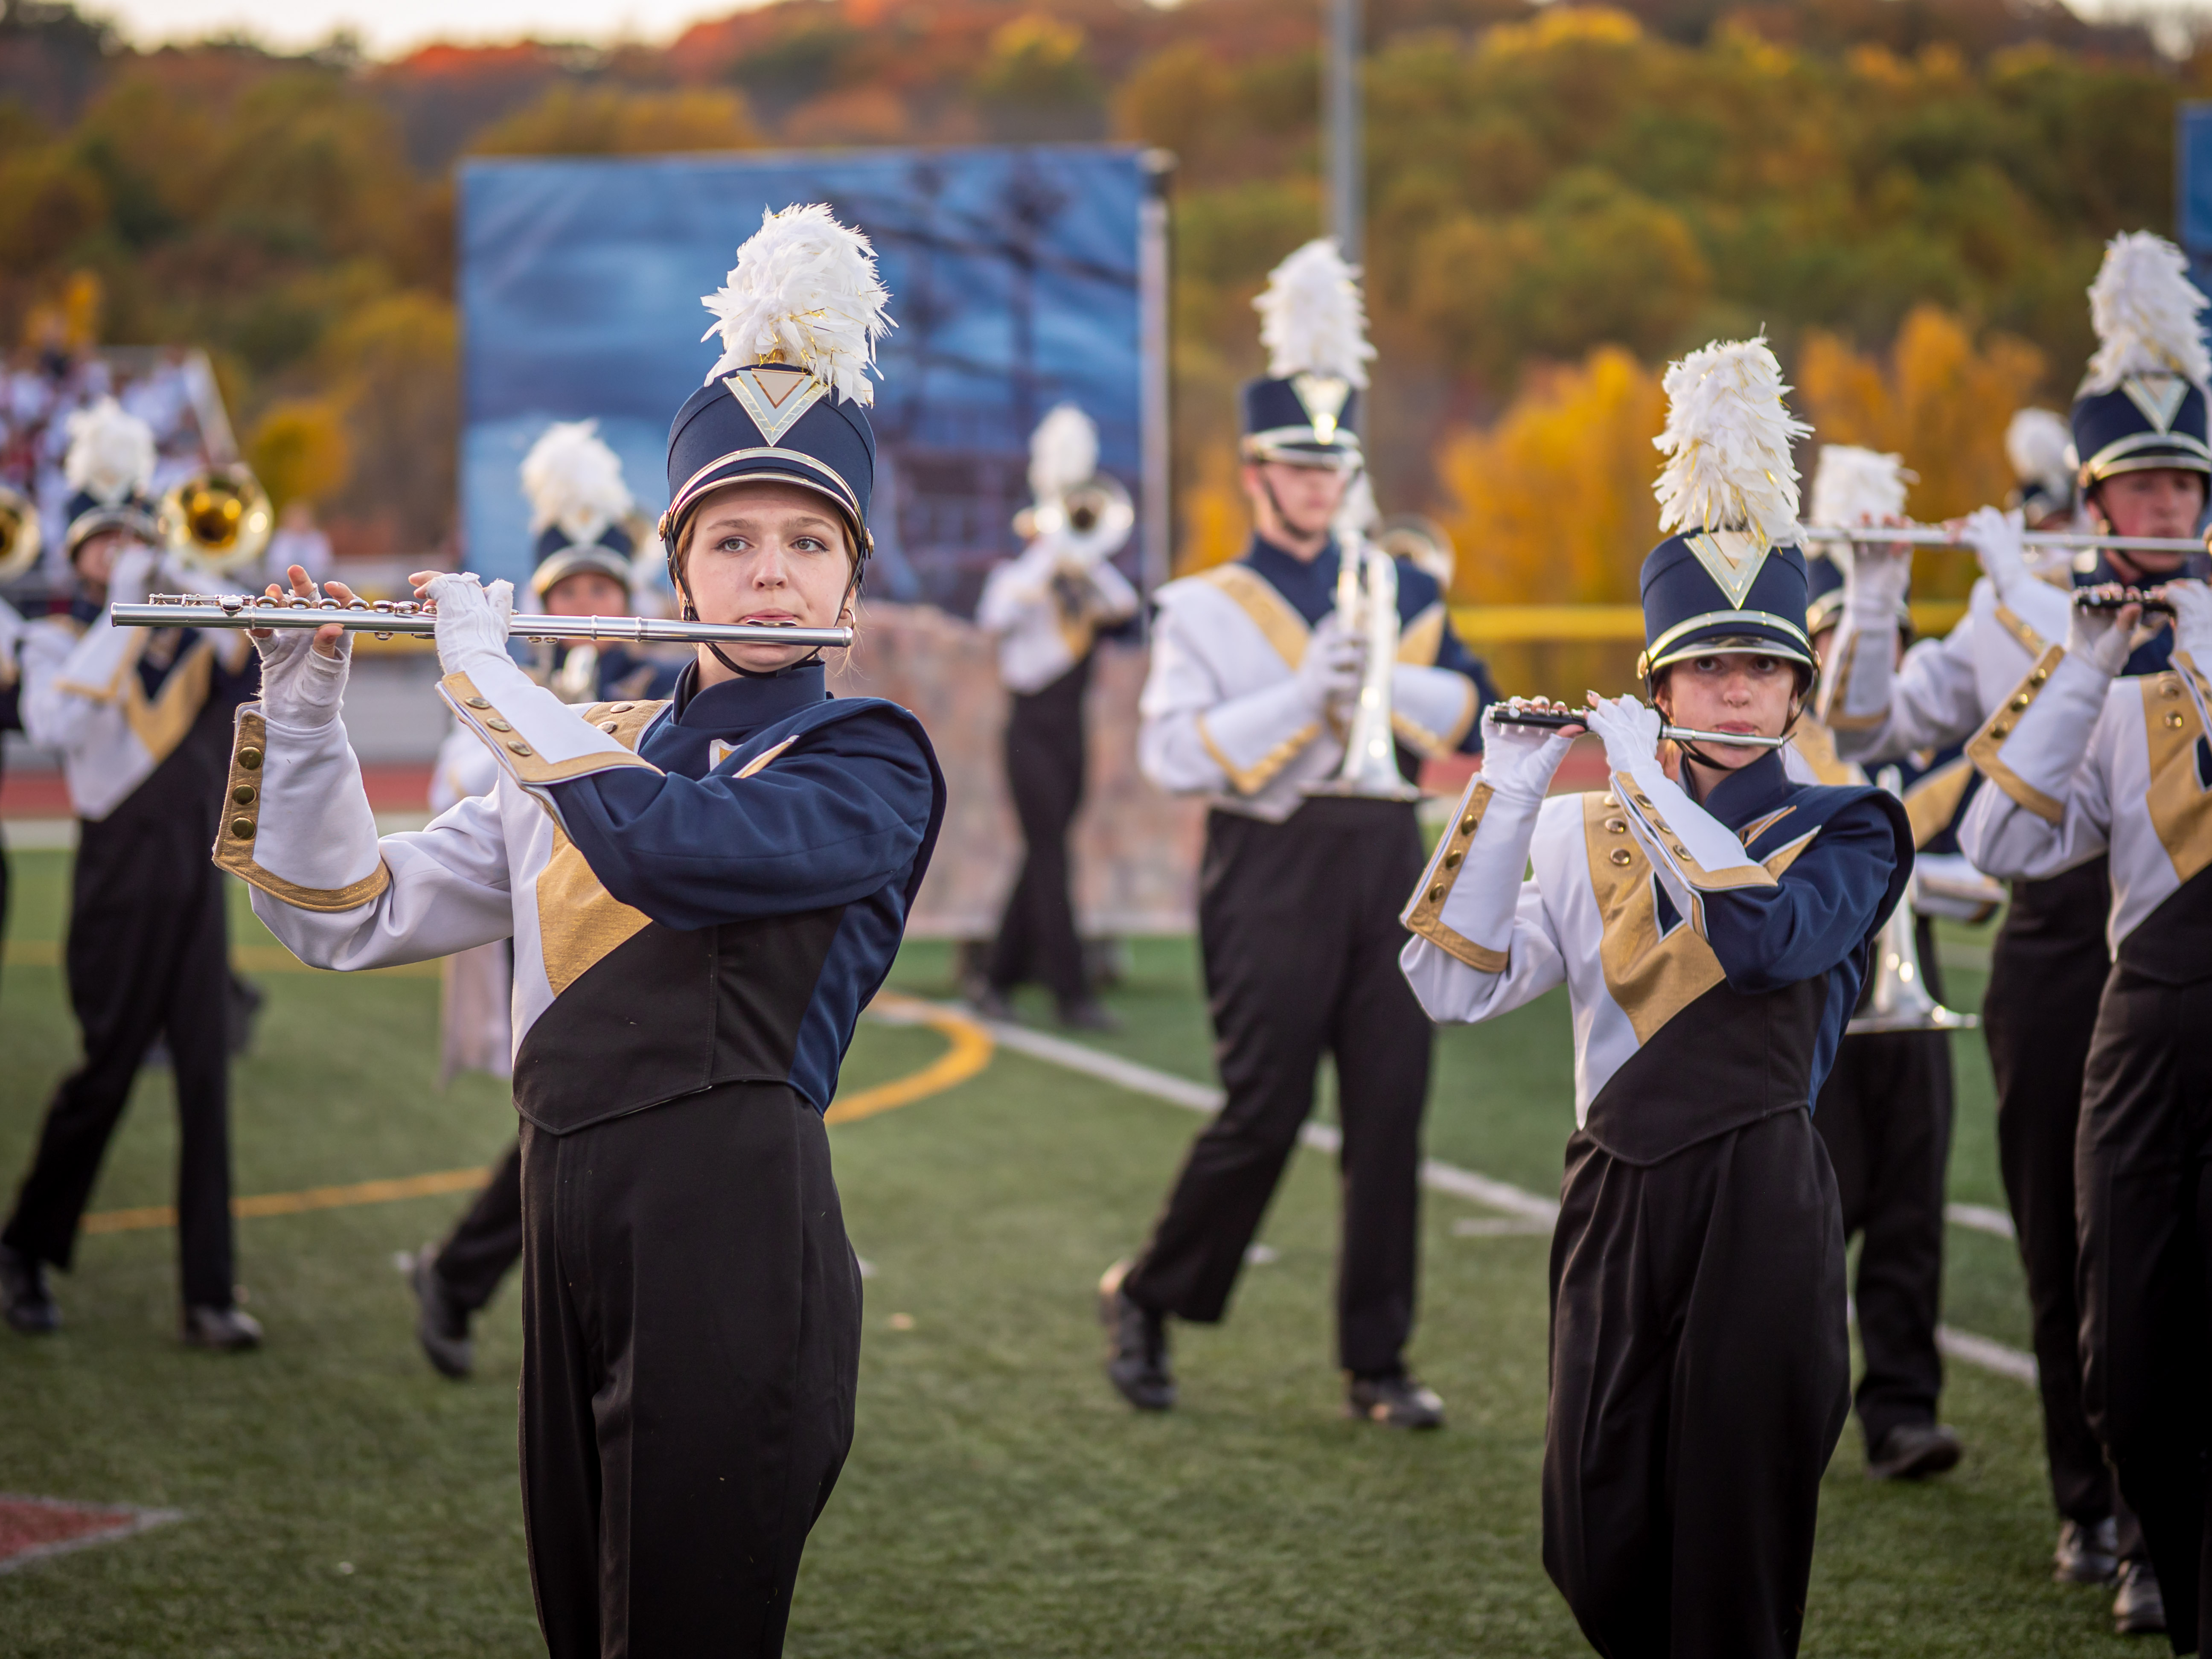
(774, 395)
(1733, 558)
(1322, 396)
(2159, 396)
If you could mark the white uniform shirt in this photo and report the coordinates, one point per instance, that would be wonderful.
(1047, 607)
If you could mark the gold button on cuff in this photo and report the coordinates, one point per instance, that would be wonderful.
(1467, 825)
(2174, 718)
(1436, 894)
(621, 707)
(1619, 855)
(520, 747)
(2023, 701)
(2169, 688)
(1618, 826)
(611, 727)
(478, 702)
(1451, 860)
(2003, 728)
(242, 828)
(243, 795)
(1610, 800)
(2038, 677)
(250, 759)
(498, 725)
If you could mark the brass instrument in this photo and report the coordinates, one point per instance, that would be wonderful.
(1367, 602)
(21, 535)
(387, 617)
(217, 521)
(1929, 535)
(1553, 720)
(1899, 999)
(1094, 518)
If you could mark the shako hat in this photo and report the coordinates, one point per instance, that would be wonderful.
(578, 507)
(799, 316)
(109, 468)
(2142, 405)
(1312, 320)
(1852, 488)
(1731, 577)
(2040, 447)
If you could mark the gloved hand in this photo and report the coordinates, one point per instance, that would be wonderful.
(2099, 638)
(133, 575)
(471, 619)
(1630, 731)
(1995, 539)
(1333, 662)
(302, 684)
(1518, 761)
(1874, 583)
(2192, 620)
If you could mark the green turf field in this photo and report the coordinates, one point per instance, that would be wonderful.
(339, 1498)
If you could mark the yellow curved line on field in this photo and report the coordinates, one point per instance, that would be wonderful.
(969, 1050)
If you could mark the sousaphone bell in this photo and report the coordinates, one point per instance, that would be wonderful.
(1898, 999)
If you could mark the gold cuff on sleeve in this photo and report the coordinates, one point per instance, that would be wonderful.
(1685, 864)
(1984, 748)
(1423, 914)
(1251, 779)
(241, 822)
(519, 757)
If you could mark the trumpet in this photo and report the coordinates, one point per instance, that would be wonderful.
(217, 521)
(1554, 720)
(1930, 535)
(20, 534)
(386, 617)
(1898, 999)
(1367, 600)
(1095, 516)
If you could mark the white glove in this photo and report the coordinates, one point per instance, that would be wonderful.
(2097, 638)
(1874, 587)
(133, 575)
(1518, 761)
(300, 685)
(1995, 537)
(2192, 620)
(1630, 731)
(1334, 663)
(471, 619)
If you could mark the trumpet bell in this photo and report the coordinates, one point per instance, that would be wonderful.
(218, 520)
(1898, 999)
(1095, 517)
(1369, 600)
(22, 535)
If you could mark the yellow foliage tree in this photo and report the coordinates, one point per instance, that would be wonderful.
(299, 450)
(572, 121)
(1939, 400)
(1554, 501)
(1216, 527)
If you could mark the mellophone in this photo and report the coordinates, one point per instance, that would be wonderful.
(387, 617)
(1515, 712)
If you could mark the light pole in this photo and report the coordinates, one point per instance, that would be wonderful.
(1342, 114)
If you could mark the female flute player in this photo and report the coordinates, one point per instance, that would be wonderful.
(702, 894)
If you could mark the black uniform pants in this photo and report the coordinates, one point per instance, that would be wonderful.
(1700, 1374)
(2144, 1169)
(487, 1242)
(691, 1334)
(1884, 1115)
(1045, 759)
(141, 967)
(2047, 971)
(1298, 924)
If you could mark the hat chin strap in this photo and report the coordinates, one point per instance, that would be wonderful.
(691, 614)
(1797, 713)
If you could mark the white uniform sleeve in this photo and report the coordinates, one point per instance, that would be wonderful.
(2049, 807)
(1117, 600)
(1431, 709)
(1483, 941)
(1192, 740)
(67, 684)
(1930, 700)
(1016, 588)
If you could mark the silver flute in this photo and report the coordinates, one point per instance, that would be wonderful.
(1553, 720)
(387, 617)
(1929, 535)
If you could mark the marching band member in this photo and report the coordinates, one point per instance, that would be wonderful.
(1884, 1114)
(2040, 447)
(2097, 760)
(140, 717)
(1249, 678)
(1048, 608)
(2139, 427)
(702, 894)
(1712, 920)
(578, 501)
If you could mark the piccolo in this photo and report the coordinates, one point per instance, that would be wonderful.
(2111, 595)
(1929, 535)
(1554, 720)
(387, 617)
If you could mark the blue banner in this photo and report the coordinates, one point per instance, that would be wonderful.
(1014, 275)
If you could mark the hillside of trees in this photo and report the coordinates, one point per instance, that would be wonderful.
(1907, 196)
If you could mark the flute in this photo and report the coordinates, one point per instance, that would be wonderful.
(1553, 720)
(1929, 535)
(2113, 596)
(385, 618)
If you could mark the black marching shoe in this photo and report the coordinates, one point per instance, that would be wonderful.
(29, 1304)
(224, 1330)
(1396, 1402)
(2087, 1554)
(2140, 1607)
(442, 1324)
(1136, 1346)
(1912, 1452)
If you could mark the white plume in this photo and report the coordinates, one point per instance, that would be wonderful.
(1853, 486)
(572, 479)
(2040, 445)
(111, 452)
(1312, 319)
(804, 292)
(1063, 452)
(2144, 309)
(1727, 444)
